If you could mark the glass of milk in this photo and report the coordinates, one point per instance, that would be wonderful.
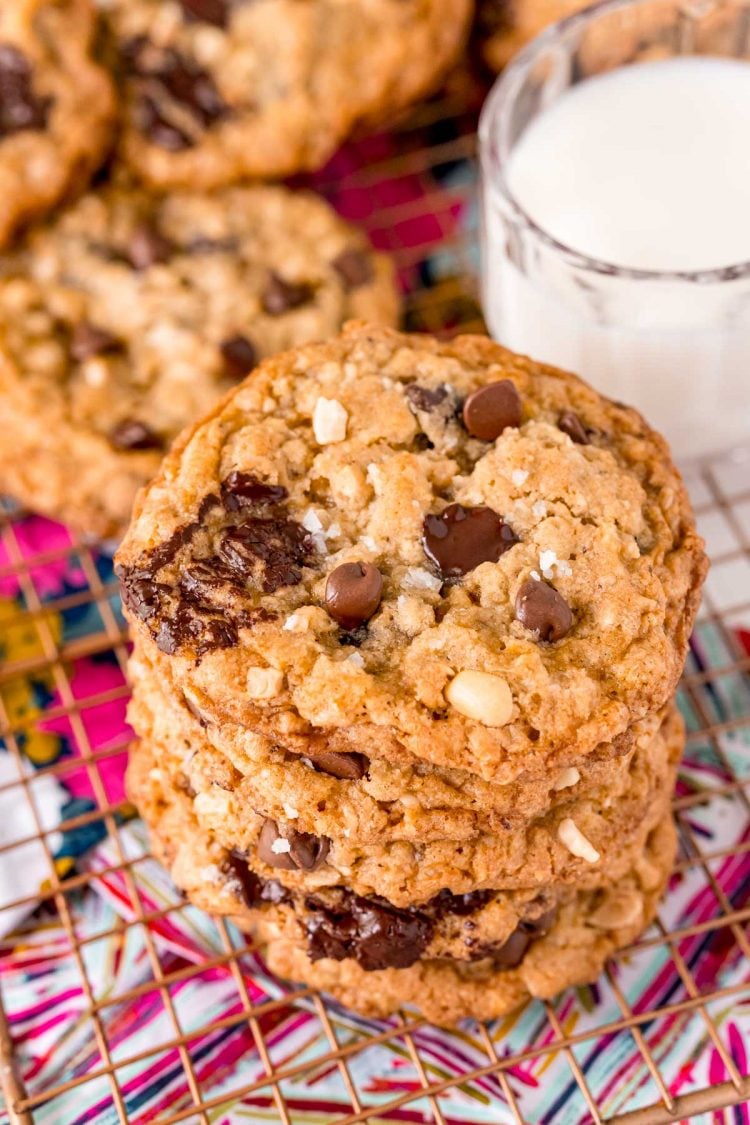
(615, 158)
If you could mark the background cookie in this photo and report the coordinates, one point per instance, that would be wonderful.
(131, 315)
(215, 92)
(56, 107)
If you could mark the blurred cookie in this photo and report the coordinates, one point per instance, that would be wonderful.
(218, 90)
(56, 107)
(131, 315)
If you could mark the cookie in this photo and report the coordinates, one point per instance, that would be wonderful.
(216, 91)
(591, 835)
(339, 792)
(131, 315)
(450, 552)
(56, 107)
(477, 955)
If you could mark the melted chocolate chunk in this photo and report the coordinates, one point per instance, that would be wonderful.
(153, 123)
(87, 340)
(282, 296)
(169, 79)
(239, 356)
(255, 891)
(571, 424)
(20, 108)
(354, 267)
(422, 398)
(148, 247)
(353, 593)
(258, 547)
(445, 902)
(510, 953)
(460, 539)
(132, 434)
(242, 490)
(542, 610)
(369, 930)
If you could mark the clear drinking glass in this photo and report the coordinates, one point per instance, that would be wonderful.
(674, 344)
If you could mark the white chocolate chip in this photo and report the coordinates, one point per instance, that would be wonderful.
(566, 778)
(295, 623)
(620, 908)
(329, 421)
(264, 683)
(481, 696)
(280, 846)
(213, 802)
(290, 812)
(417, 578)
(574, 840)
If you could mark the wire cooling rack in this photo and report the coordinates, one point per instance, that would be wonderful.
(122, 1003)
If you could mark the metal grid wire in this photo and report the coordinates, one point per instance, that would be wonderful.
(436, 256)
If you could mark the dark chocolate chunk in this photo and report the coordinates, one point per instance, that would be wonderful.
(445, 902)
(425, 399)
(215, 12)
(291, 850)
(148, 247)
(371, 931)
(492, 409)
(571, 424)
(20, 108)
(459, 539)
(282, 296)
(236, 870)
(542, 610)
(239, 356)
(270, 550)
(165, 78)
(354, 267)
(154, 124)
(132, 434)
(242, 490)
(353, 593)
(87, 340)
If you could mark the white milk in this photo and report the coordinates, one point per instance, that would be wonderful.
(646, 167)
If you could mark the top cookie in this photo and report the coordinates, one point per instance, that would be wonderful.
(219, 90)
(56, 107)
(444, 547)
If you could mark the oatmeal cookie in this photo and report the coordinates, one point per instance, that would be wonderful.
(479, 954)
(131, 315)
(216, 91)
(56, 107)
(448, 551)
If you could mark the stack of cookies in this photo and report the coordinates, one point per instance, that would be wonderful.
(408, 620)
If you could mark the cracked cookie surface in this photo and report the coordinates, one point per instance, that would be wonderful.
(131, 315)
(56, 107)
(224, 90)
(360, 451)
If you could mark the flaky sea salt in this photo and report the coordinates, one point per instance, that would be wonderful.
(416, 578)
(280, 846)
(519, 477)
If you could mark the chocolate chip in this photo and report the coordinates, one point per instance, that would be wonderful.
(445, 902)
(282, 296)
(353, 593)
(131, 434)
(87, 340)
(424, 398)
(20, 108)
(242, 490)
(147, 247)
(349, 766)
(571, 424)
(291, 851)
(215, 12)
(354, 267)
(158, 128)
(511, 952)
(239, 356)
(459, 539)
(370, 931)
(270, 550)
(492, 409)
(542, 610)
(236, 870)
